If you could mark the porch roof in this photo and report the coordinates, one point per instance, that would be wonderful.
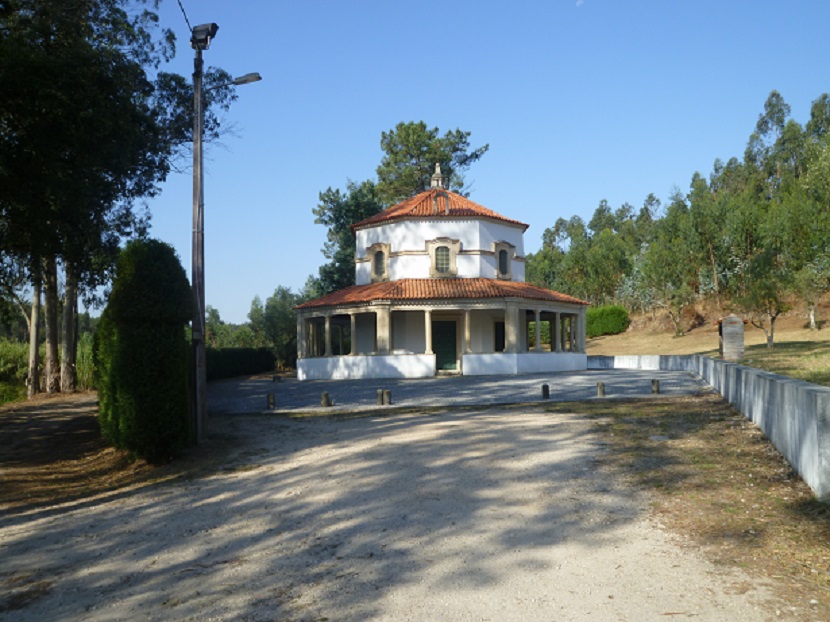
(413, 290)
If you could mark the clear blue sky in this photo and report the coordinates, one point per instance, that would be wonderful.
(579, 100)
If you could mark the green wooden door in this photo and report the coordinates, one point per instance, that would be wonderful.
(444, 344)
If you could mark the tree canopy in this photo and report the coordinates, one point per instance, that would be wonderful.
(410, 153)
(754, 236)
(89, 126)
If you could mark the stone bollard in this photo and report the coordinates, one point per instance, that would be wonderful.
(545, 392)
(324, 399)
(271, 401)
(387, 397)
(655, 386)
(600, 389)
(380, 397)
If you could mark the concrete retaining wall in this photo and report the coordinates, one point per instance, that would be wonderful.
(795, 415)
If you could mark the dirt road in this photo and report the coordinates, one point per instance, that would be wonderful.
(484, 515)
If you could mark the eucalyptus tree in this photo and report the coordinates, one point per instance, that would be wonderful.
(88, 127)
(668, 267)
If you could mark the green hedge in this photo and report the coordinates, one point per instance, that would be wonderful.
(231, 362)
(141, 353)
(610, 320)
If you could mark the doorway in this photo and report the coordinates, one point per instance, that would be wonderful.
(444, 341)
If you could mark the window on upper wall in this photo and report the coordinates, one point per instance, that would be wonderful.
(442, 254)
(379, 254)
(442, 259)
(504, 266)
(504, 253)
(380, 264)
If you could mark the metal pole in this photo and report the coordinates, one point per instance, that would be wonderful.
(198, 266)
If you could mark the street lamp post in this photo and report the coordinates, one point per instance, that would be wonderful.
(200, 39)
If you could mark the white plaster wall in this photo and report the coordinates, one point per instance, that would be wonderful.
(412, 235)
(365, 326)
(363, 273)
(538, 362)
(518, 268)
(408, 332)
(500, 364)
(358, 367)
(483, 337)
(525, 363)
(409, 266)
(492, 232)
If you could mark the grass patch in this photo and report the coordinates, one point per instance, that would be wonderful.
(804, 360)
(718, 482)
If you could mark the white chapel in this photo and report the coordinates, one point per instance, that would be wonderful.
(439, 289)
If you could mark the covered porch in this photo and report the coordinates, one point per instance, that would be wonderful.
(391, 339)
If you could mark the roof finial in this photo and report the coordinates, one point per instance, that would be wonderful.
(437, 179)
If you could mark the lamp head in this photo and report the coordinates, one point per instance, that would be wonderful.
(202, 35)
(247, 79)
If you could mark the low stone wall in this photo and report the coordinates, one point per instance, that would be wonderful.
(795, 415)
(369, 366)
(506, 364)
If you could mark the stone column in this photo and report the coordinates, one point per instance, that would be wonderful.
(467, 332)
(572, 334)
(538, 330)
(557, 333)
(428, 332)
(511, 329)
(328, 335)
(384, 327)
(581, 337)
(353, 322)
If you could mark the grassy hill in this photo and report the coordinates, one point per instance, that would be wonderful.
(798, 351)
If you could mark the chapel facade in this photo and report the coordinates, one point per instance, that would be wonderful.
(439, 289)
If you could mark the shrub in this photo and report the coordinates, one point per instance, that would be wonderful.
(231, 362)
(14, 366)
(14, 360)
(84, 364)
(609, 320)
(141, 353)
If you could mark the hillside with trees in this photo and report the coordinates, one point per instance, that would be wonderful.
(752, 237)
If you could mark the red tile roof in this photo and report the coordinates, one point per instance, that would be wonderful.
(435, 203)
(413, 290)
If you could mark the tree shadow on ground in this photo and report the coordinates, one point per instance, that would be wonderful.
(323, 516)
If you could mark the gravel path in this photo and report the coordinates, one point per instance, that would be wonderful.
(250, 396)
(482, 515)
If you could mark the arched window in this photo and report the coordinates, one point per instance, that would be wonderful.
(380, 264)
(442, 259)
(504, 266)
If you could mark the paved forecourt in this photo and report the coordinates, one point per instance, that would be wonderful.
(250, 395)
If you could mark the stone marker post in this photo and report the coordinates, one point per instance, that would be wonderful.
(731, 338)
